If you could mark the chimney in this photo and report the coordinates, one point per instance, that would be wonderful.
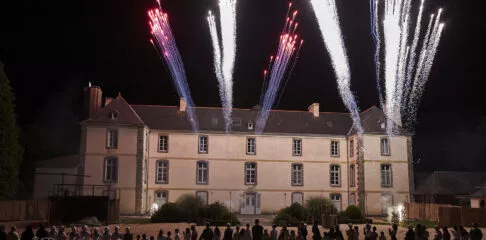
(314, 109)
(92, 100)
(108, 100)
(182, 105)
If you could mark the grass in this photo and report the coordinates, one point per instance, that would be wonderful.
(426, 223)
(134, 220)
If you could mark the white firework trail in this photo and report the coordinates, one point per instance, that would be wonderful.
(327, 18)
(226, 61)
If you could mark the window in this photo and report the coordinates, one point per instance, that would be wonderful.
(336, 201)
(162, 173)
(146, 141)
(112, 139)
(250, 173)
(111, 169)
(163, 143)
(386, 202)
(203, 195)
(236, 122)
(214, 122)
(250, 146)
(202, 172)
(351, 148)
(352, 175)
(298, 197)
(385, 147)
(352, 199)
(203, 144)
(334, 149)
(250, 125)
(335, 178)
(297, 175)
(297, 147)
(161, 198)
(386, 175)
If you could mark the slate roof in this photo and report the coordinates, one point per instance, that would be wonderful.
(451, 183)
(169, 118)
(479, 193)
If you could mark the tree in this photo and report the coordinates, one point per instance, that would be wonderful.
(10, 149)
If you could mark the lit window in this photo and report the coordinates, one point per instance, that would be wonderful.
(352, 199)
(352, 175)
(111, 169)
(386, 175)
(297, 147)
(335, 176)
(162, 169)
(334, 149)
(385, 147)
(336, 201)
(250, 173)
(250, 125)
(163, 143)
(250, 146)
(298, 197)
(161, 198)
(112, 139)
(297, 175)
(351, 148)
(203, 195)
(202, 172)
(386, 203)
(203, 144)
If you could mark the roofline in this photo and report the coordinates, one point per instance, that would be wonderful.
(248, 133)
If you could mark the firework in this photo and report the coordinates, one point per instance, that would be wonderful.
(224, 63)
(288, 48)
(327, 18)
(165, 45)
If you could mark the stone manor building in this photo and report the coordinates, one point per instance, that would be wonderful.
(150, 154)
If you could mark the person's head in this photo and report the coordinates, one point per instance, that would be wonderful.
(461, 228)
(169, 233)
(127, 230)
(257, 221)
(207, 225)
(53, 228)
(274, 226)
(138, 236)
(2, 228)
(331, 229)
(336, 227)
(395, 227)
(73, 228)
(454, 227)
(247, 226)
(368, 227)
(28, 228)
(284, 228)
(61, 229)
(84, 227)
(475, 225)
(13, 229)
(193, 227)
(374, 229)
(228, 225)
(242, 231)
(176, 230)
(356, 228)
(161, 232)
(237, 228)
(107, 229)
(188, 230)
(292, 232)
(117, 229)
(382, 233)
(410, 228)
(152, 238)
(144, 236)
(316, 222)
(445, 229)
(265, 231)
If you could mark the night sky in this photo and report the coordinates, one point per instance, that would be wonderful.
(51, 49)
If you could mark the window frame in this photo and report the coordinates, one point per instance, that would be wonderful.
(390, 170)
(292, 198)
(199, 144)
(382, 196)
(338, 154)
(351, 147)
(248, 146)
(161, 191)
(388, 146)
(197, 172)
(207, 196)
(166, 143)
(352, 175)
(353, 194)
(255, 174)
(105, 169)
(157, 171)
(293, 174)
(331, 195)
(338, 175)
(294, 140)
(115, 145)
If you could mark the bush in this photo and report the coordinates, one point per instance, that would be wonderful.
(353, 212)
(170, 212)
(192, 204)
(219, 214)
(318, 206)
(291, 216)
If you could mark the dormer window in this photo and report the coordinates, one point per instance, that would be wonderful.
(329, 124)
(114, 114)
(236, 122)
(250, 125)
(214, 122)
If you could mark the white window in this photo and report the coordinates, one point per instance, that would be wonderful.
(297, 175)
(334, 149)
(298, 197)
(202, 172)
(385, 147)
(203, 195)
(386, 202)
(163, 143)
(386, 175)
(203, 144)
(335, 178)
(352, 199)
(250, 125)
(336, 201)
(352, 175)
(351, 148)
(112, 139)
(250, 146)
(162, 173)
(250, 173)
(297, 147)
(111, 169)
(161, 198)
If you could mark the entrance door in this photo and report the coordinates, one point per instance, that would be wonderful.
(386, 203)
(250, 204)
(160, 198)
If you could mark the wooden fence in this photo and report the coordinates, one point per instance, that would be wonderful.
(24, 210)
(446, 215)
(424, 211)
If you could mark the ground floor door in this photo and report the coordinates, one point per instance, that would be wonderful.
(386, 203)
(250, 203)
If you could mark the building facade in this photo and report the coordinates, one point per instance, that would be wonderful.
(151, 155)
